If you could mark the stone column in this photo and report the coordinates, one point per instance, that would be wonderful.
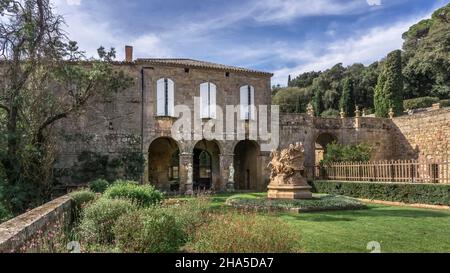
(226, 162)
(185, 160)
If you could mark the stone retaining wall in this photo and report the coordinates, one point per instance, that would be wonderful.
(18, 231)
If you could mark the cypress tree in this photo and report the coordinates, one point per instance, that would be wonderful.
(389, 90)
(317, 102)
(347, 102)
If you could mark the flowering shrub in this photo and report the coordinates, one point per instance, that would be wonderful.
(244, 233)
(141, 195)
(100, 217)
(52, 238)
(148, 231)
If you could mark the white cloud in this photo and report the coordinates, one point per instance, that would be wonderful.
(73, 2)
(286, 10)
(365, 48)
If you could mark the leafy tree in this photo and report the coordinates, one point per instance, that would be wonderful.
(347, 153)
(317, 102)
(45, 79)
(347, 102)
(304, 80)
(427, 56)
(389, 90)
(292, 99)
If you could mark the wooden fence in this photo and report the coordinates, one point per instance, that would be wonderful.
(404, 171)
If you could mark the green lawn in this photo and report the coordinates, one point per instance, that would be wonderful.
(397, 229)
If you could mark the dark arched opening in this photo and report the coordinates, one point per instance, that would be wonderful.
(206, 165)
(246, 165)
(164, 164)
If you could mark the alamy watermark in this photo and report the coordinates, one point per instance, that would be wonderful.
(234, 123)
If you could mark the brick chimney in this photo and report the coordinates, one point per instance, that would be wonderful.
(128, 54)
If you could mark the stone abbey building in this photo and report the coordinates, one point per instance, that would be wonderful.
(142, 117)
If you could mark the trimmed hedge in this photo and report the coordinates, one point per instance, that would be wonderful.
(445, 103)
(432, 194)
(423, 102)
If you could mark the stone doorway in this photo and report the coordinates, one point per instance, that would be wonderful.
(164, 164)
(206, 165)
(246, 154)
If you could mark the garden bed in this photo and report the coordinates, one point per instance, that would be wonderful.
(320, 202)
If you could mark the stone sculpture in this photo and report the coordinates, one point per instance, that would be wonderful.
(286, 179)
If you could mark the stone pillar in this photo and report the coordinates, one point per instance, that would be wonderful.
(185, 160)
(342, 113)
(144, 179)
(226, 161)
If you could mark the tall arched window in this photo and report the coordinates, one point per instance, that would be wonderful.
(247, 102)
(208, 100)
(165, 89)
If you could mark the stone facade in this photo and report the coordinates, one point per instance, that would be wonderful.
(107, 127)
(423, 136)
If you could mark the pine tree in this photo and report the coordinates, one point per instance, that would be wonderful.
(347, 102)
(389, 90)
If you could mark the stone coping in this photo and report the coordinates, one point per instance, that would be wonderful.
(15, 232)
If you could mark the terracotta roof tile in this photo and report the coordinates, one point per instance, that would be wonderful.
(198, 64)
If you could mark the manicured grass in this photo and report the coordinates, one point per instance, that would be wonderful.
(397, 229)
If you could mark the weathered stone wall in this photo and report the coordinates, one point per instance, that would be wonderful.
(17, 232)
(423, 135)
(306, 129)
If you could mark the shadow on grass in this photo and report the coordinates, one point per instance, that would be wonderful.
(352, 215)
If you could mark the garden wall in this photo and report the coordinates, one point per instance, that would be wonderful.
(427, 135)
(19, 231)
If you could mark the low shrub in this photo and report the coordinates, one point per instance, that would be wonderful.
(417, 103)
(141, 195)
(148, 231)
(347, 153)
(433, 194)
(245, 233)
(190, 215)
(445, 103)
(99, 185)
(80, 200)
(319, 203)
(5, 214)
(100, 217)
(330, 113)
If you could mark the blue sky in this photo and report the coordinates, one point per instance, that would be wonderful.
(280, 36)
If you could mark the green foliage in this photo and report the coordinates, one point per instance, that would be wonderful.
(330, 113)
(129, 164)
(148, 231)
(99, 219)
(319, 203)
(80, 200)
(389, 89)
(317, 102)
(347, 102)
(445, 103)
(245, 233)
(141, 195)
(347, 153)
(99, 185)
(5, 214)
(418, 103)
(292, 99)
(427, 56)
(433, 194)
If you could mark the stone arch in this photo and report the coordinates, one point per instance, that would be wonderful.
(247, 165)
(322, 140)
(206, 165)
(164, 163)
